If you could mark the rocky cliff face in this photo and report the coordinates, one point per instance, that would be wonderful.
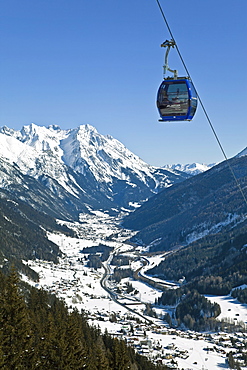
(83, 166)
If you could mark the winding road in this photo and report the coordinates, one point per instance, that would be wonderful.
(112, 294)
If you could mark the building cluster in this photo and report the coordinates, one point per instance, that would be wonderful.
(147, 339)
(141, 337)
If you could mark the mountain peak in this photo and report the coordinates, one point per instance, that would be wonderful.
(7, 131)
(83, 161)
(242, 153)
(32, 129)
(191, 169)
(41, 137)
(86, 129)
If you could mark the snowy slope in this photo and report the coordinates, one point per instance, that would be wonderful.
(192, 169)
(79, 285)
(104, 155)
(82, 161)
(196, 168)
(242, 153)
(36, 152)
(15, 152)
(80, 149)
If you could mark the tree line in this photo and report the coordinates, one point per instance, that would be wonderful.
(38, 331)
(193, 310)
(214, 264)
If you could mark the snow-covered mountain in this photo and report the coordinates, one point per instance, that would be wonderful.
(196, 168)
(96, 170)
(191, 169)
(206, 204)
(242, 153)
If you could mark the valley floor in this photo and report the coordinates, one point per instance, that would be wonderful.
(110, 307)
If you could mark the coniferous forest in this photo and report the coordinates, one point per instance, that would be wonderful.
(38, 331)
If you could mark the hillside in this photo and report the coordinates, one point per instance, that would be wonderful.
(27, 210)
(38, 331)
(191, 169)
(206, 204)
(82, 168)
(203, 222)
(49, 173)
(23, 234)
(64, 176)
(215, 264)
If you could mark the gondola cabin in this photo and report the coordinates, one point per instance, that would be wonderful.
(176, 99)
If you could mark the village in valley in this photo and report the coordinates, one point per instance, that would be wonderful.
(125, 306)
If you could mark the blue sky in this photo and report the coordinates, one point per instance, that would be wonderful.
(72, 62)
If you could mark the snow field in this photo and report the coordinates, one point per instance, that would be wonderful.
(80, 287)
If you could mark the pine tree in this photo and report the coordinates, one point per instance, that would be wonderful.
(101, 356)
(75, 354)
(91, 359)
(47, 347)
(15, 326)
(1, 352)
(121, 359)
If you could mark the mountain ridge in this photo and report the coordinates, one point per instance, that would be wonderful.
(84, 162)
(190, 168)
(203, 204)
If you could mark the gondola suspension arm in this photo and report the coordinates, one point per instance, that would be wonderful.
(168, 44)
(202, 105)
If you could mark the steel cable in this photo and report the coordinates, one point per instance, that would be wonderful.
(202, 105)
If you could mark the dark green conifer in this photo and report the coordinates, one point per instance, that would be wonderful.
(121, 359)
(101, 355)
(48, 346)
(75, 354)
(14, 326)
(91, 359)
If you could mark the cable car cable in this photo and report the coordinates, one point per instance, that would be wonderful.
(202, 105)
